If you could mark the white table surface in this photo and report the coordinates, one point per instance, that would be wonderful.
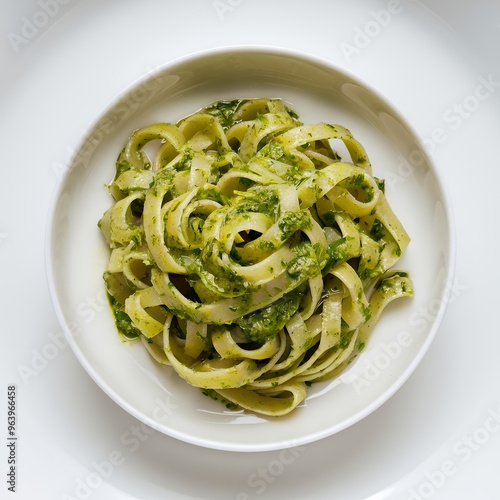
(63, 61)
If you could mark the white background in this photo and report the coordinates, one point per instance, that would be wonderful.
(62, 62)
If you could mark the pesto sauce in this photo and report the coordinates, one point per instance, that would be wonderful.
(184, 163)
(336, 253)
(345, 338)
(305, 264)
(396, 279)
(217, 397)
(380, 184)
(258, 199)
(293, 221)
(122, 166)
(264, 324)
(123, 322)
(224, 111)
(377, 230)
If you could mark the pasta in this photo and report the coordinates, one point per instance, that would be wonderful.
(246, 254)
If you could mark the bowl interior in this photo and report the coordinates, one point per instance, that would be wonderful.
(319, 92)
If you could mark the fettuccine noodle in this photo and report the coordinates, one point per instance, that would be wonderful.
(247, 254)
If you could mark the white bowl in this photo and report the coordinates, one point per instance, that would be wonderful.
(320, 92)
